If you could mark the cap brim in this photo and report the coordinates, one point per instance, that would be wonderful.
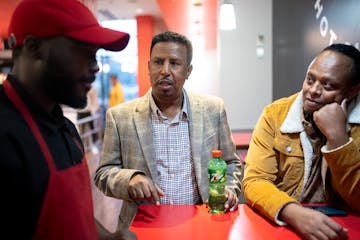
(104, 37)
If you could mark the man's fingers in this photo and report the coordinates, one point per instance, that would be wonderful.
(229, 200)
(147, 190)
(232, 200)
(337, 229)
(343, 234)
(234, 207)
(132, 193)
(156, 193)
(136, 193)
(141, 187)
(159, 190)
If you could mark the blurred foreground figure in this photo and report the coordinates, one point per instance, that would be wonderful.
(46, 186)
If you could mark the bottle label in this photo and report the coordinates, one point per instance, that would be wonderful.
(216, 176)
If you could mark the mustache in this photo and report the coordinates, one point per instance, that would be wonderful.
(165, 80)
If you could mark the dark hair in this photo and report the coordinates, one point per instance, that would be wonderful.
(351, 52)
(174, 37)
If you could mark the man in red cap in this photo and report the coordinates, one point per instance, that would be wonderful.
(46, 184)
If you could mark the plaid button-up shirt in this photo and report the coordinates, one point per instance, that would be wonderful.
(174, 161)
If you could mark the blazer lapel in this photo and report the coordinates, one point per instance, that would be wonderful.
(143, 129)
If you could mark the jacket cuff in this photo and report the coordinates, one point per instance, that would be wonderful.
(325, 149)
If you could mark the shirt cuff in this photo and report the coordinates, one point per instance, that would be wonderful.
(325, 149)
(137, 173)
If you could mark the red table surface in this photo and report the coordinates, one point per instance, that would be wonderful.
(194, 222)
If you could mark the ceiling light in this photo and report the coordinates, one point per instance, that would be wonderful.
(227, 16)
(197, 3)
(139, 11)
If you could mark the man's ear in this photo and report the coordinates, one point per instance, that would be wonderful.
(32, 46)
(188, 71)
(354, 92)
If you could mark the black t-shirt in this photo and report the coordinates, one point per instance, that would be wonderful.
(23, 168)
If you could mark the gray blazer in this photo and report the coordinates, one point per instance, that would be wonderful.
(128, 147)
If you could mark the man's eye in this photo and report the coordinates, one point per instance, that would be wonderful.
(328, 86)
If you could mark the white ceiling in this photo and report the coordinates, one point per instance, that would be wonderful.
(125, 9)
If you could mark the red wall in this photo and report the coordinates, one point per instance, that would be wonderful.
(145, 31)
(6, 9)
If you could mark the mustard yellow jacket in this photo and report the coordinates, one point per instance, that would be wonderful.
(279, 159)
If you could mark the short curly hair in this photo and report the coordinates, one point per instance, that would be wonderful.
(174, 37)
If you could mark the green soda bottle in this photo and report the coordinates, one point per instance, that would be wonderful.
(217, 181)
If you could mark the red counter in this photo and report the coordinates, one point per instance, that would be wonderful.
(194, 222)
(242, 139)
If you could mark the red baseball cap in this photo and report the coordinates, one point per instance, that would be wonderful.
(50, 18)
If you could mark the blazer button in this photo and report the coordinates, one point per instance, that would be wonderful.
(289, 149)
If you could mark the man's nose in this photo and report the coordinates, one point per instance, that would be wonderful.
(165, 69)
(94, 67)
(316, 88)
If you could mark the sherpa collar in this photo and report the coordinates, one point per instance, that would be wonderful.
(293, 124)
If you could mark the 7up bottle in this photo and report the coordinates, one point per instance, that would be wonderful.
(217, 181)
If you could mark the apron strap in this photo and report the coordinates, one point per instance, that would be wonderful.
(20, 106)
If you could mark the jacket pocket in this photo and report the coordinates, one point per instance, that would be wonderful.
(290, 163)
(287, 146)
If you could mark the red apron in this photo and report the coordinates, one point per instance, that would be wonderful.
(67, 211)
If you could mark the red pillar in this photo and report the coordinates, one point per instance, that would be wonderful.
(145, 32)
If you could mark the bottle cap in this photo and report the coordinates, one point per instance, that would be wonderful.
(216, 153)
